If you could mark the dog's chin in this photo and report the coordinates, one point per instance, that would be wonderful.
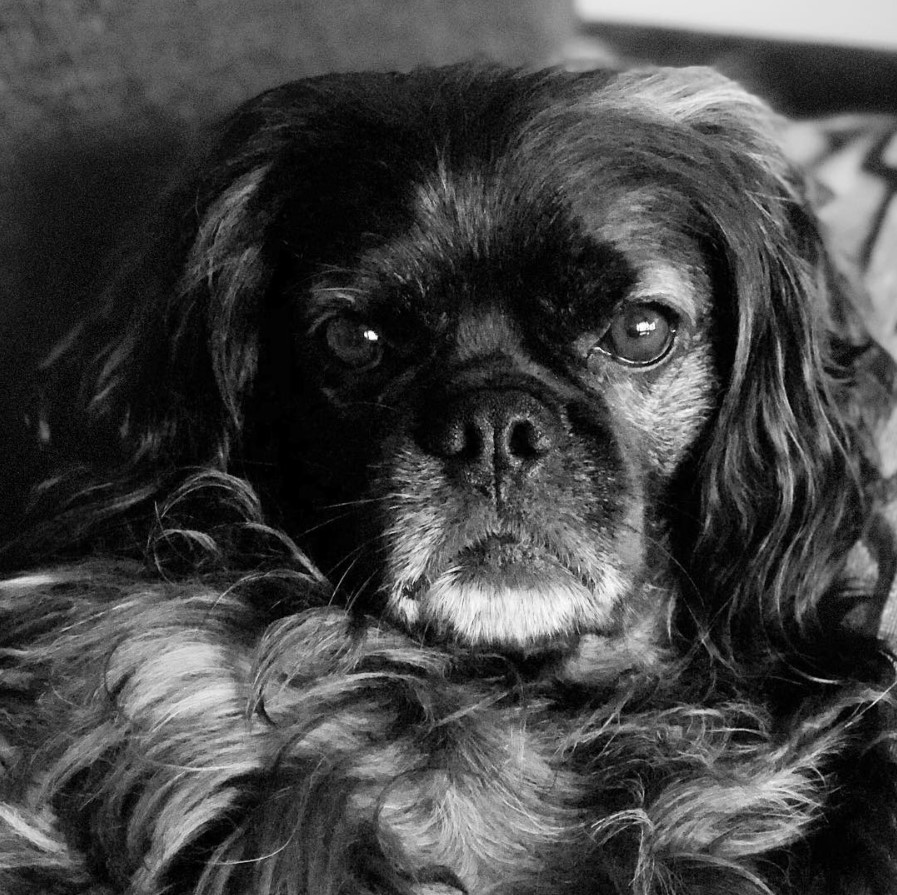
(503, 595)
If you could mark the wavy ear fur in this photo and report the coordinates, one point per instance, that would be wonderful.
(780, 493)
(173, 382)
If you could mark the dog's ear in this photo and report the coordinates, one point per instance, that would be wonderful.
(779, 492)
(172, 380)
(175, 332)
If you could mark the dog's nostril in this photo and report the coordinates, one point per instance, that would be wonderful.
(525, 441)
(474, 442)
(461, 440)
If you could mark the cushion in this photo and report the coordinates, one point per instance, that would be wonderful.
(852, 163)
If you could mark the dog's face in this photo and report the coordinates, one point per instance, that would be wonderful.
(500, 374)
(519, 375)
(512, 356)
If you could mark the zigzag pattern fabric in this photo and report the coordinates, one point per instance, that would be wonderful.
(852, 160)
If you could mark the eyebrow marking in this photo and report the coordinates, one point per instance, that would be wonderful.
(673, 283)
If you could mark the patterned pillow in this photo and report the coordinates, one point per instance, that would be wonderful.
(852, 161)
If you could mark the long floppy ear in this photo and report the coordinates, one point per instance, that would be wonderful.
(176, 320)
(152, 378)
(175, 333)
(779, 491)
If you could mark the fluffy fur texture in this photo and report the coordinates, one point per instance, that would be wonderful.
(489, 438)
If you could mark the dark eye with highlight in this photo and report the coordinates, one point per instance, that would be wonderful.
(353, 342)
(640, 334)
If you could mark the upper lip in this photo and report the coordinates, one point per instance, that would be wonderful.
(497, 540)
(520, 547)
(478, 541)
(497, 536)
(472, 547)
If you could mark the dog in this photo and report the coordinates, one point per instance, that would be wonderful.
(466, 470)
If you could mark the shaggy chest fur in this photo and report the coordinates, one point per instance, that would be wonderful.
(463, 781)
(171, 739)
(197, 748)
(485, 809)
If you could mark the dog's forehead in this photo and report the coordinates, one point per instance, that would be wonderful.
(521, 208)
(480, 239)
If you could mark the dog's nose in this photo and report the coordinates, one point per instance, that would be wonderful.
(494, 436)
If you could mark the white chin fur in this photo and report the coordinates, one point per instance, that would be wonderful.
(481, 613)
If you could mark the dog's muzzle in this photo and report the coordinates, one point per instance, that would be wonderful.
(498, 547)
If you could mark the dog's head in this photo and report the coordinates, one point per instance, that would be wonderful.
(515, 356)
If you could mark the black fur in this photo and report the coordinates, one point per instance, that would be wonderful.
(444, 590)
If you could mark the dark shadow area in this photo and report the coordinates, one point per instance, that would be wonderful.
(75, 205)
(79, 202)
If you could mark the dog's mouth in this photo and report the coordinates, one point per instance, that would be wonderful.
(506, 590)
(505, 560)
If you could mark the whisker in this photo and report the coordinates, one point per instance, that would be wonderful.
(355, 502)
(323, 523)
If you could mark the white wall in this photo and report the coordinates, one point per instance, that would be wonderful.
(869, 23)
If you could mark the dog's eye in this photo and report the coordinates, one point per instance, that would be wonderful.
(640, 334)
(353, 342)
